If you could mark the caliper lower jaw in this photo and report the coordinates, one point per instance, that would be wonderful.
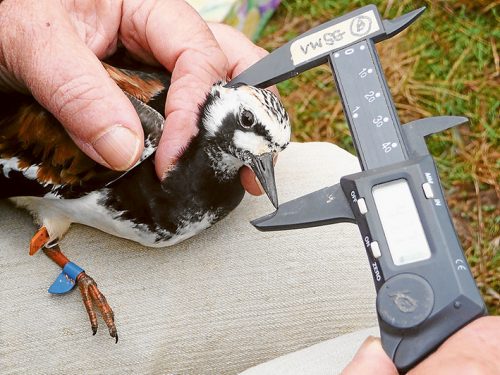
(332, 205)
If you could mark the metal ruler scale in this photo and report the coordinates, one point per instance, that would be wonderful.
(425, 290)
(368, 105)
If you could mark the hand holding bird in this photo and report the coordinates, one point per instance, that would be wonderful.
(66, 117)
(52, 50)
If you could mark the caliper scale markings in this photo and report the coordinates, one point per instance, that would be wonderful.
(368, 105)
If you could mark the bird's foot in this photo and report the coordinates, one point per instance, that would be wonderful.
(92, 296)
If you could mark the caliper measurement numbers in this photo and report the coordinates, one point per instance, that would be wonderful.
(380, 120)
(372, 117)
(372, 95)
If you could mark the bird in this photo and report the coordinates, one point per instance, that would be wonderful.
(43, 171)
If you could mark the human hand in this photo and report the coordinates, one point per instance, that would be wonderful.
(475, 349)
(52, 49)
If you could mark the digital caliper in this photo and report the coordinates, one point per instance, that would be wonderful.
(425, 290)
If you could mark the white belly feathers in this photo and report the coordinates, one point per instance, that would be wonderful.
(58, 214)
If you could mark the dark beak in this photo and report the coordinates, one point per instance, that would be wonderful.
(263, 168)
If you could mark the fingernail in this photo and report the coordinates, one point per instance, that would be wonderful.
(118, 147)
(370, 341)
(370, 345)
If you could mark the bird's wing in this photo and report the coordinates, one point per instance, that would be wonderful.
(38, 157)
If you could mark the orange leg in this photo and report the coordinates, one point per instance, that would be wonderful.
(91, 295)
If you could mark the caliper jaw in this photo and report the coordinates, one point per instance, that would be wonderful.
(278, 66)
(330, 205)
(322, 207)
(395, 26)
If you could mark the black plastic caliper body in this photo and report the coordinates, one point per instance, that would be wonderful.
(425, 290)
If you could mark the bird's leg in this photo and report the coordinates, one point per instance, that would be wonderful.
(91, 295)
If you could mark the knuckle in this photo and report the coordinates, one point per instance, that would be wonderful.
(74, 96)
(134, 19)
(260, 52)
(210, 64)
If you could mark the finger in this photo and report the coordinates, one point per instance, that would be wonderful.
(249, 182)
(182, 113)
(96, 23)
(240, 51)
(189, 51)
(370, 358)
(178, 130)
(456, 355)
(68, 80)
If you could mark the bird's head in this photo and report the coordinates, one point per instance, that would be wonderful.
(245, 126)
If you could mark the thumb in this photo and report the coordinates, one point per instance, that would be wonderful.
(65, 76)
(370, 359)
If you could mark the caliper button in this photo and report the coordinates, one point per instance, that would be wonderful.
(375, 249)
(362, 206)
(428, 190)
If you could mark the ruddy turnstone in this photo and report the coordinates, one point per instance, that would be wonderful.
(43, 171)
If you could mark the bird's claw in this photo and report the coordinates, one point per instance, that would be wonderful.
(91, 296)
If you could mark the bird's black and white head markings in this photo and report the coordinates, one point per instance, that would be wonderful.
(245, 126)
(246, 118)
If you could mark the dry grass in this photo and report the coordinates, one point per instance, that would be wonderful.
(446, 63)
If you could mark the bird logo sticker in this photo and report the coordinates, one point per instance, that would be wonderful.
(361, 25)
(404, 302)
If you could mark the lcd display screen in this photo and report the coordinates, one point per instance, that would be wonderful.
(401, 223)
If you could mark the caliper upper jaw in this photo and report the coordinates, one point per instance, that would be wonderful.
(279, 65)
(395, 26)
(274, 68)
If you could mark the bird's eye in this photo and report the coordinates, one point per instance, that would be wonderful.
(247, 118)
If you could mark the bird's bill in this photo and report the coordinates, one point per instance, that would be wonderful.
(263, 167)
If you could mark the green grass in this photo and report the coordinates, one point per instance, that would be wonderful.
(445, 64)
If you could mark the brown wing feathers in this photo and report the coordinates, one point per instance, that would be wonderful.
(142, 86)
(32, 135)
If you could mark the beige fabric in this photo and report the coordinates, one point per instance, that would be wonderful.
(326, 358)
(219, 303)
